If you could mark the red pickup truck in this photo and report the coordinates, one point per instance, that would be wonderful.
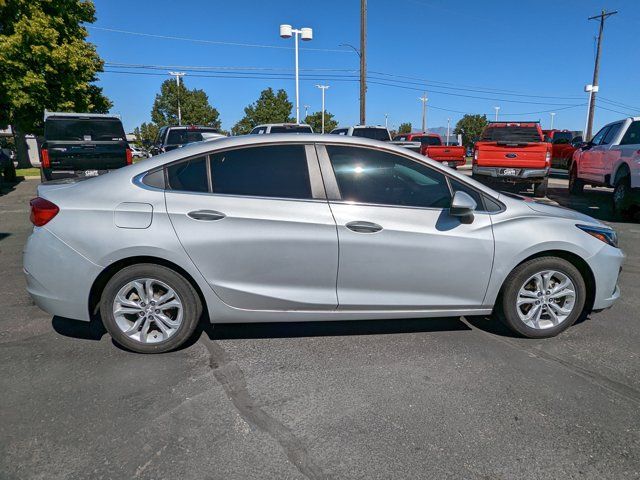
(513, 153)
(562, 147)
(431, 145)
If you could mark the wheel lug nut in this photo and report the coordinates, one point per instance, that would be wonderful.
(157, 311)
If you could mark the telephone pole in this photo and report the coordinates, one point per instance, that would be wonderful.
(363, 60)
(596, 70)
(424, 99)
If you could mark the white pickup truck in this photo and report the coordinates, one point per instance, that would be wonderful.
(611, 159)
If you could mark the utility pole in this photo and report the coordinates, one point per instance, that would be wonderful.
(424, 99)
(496, 109)
(363, 61)
(448, 130)
(553, 115)
(323, 88)
(596, 70)
(178, 75)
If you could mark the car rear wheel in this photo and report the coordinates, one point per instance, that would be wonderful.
(542, 297)
(576, 185)
(149, 308)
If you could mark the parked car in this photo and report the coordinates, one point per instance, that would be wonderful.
(281, 128)
(515, 154)
(611, 159)
(365, 131)
(227, 228)
(172, 137)
(137, 152)
(82, 145)
(562, 147)
(432, 146)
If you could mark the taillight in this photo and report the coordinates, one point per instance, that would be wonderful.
(475, 157)
(44, 155)
(42, 211)
(547, 158)
(129, 156)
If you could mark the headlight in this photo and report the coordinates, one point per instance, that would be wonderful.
(606, 235)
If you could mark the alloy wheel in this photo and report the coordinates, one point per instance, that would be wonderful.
(546, 299)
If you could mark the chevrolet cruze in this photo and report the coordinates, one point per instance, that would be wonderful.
(307, 227)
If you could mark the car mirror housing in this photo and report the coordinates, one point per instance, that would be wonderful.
(462, 205)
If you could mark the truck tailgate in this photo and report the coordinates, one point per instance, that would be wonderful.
(445, 153)
(523, 155)
(87, 155)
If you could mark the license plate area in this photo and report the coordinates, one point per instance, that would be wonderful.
(509, 172)
(91, 173)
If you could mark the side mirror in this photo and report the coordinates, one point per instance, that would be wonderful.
(462, 205)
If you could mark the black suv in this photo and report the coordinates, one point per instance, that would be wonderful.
(82, 145)
(170, 138)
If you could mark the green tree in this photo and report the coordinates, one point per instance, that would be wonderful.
(405, 128)
(146, 133)
(470, 127)
(315, 120)
(194, 106)
(46, 63)
(269, 108)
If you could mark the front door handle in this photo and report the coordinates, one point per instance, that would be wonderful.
(363, 227)
(206, 215)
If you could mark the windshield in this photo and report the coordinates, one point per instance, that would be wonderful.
(562, 137)
(429, 140)
(181, 136)
(291, 129)
(511, 133)
(84, 129)
(374, 133)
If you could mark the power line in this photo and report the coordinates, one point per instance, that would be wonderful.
(210, 42)
(618, 104)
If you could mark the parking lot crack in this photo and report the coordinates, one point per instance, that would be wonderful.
(229, 374)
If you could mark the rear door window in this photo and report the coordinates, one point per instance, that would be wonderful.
(188, 176)
(267, 171)
(632, 137)
(611, 134)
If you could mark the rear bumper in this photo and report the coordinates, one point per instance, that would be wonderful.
(58, 278)
(523, 175)
(51, 174)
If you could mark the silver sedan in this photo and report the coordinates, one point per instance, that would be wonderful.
(306, 227)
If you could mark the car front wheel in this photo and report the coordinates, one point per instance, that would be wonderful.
(542, 297)
(149, 308)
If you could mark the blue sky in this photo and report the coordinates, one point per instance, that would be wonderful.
(505, 51)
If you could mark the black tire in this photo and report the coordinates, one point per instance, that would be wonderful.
(621, 196)
(506, 307)
(540, 189)
(192, 307)
(576, 185)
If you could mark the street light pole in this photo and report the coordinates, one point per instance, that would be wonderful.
(496, 109)
(590, 89)
(424, 99)
(178, 75)
(306, 111)
(448, 129)
(553, 114)
(287, 31)
(323, 88)
(386, 121)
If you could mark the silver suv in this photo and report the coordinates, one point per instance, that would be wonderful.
(281, 128)
(374, 132)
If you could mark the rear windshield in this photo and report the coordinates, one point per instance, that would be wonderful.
(511, 133)
(374, 133)
(182, 136)
(291, 129)
(562, 137)
(340, 131)
(84, 129)
(429, 140)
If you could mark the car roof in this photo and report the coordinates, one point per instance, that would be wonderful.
(283, 125)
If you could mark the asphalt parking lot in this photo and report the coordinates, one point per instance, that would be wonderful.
(433, 398)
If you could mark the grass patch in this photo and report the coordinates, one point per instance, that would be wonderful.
(28, 172)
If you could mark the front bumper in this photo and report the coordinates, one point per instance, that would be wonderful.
(59, 279)
(606, 266)
(527, 175)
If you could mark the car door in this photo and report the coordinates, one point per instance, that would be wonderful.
(608, 154)
(589, 164)
(399, 247)
(256, 223)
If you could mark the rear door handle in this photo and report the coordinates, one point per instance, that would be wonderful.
(363, 227)
(206, 215)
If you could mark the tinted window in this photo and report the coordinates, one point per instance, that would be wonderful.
(188, 176)
(183, 136)
(458, 186)
(632, 137)
(599, 136)
(374, 133)
(340, 131)
(84, 129)
(371, 176)
(429, 140)
(562, 137)
(400, 138)
(611, 134)
(508, 132)
(270, 171)
(291, 129)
